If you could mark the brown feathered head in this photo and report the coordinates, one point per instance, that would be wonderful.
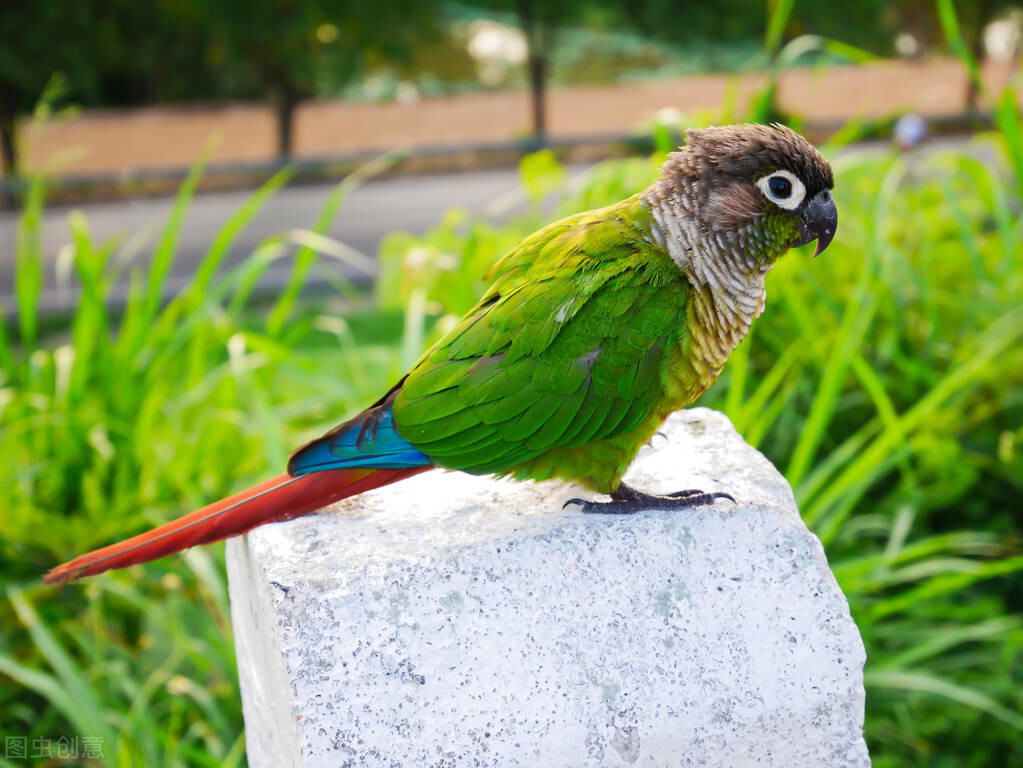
(764, 176)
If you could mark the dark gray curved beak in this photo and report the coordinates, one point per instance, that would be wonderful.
(820, 221)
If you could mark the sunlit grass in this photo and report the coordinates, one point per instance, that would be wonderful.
(124, 420)
(885, 379)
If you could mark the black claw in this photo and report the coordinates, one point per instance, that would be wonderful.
(627, 500)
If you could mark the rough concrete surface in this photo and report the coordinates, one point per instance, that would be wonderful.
(451, 620)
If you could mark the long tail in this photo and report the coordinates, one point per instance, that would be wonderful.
(282, 498)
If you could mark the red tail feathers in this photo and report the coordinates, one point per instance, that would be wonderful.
(282, 498)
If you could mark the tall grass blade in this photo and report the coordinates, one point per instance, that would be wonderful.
(6, 355)
(74, 692)
(922, 683)
(166, 248)
(305, 257)
(949, 21)
(858, 314)
(192, 296)
(1011, 134)
(778, 14)
(28, 276)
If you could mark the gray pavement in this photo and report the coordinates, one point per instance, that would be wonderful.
(412, 203)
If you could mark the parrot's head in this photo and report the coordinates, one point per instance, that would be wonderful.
(754, 189)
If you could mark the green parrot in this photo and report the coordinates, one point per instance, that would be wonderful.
(595, 329)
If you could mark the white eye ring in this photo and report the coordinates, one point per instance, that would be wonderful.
(795, 197)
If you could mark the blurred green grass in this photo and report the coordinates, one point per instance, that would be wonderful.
(885, 379)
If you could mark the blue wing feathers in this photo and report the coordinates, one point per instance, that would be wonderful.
(367, 441)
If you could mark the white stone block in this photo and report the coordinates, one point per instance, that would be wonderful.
(452, 620)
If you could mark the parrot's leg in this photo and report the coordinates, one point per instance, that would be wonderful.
(626, 500)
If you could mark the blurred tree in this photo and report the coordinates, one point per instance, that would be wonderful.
(29, 58)
(122, 52)
(540, 21)
(724, 20)
(974, 17)
(873, 25)
(921, 19)
(107, 52)
(279, 47)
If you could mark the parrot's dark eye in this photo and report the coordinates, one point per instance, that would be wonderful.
(783, 188)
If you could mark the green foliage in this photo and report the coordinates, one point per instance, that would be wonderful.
(119, 52)
(106, 52)
(448, 267)
(119, 422)
(145, 666)
(798, 50)
(885, 378)
(888, 416)
(957, 44)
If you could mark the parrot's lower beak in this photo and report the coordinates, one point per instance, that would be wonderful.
(820, 220)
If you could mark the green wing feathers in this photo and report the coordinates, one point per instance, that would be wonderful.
(568, 346)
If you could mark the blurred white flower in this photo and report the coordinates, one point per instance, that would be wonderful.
(669, 116)
(417, 257)
(407, 93)
(495, 47)
(1002, 37)
(171, 581)
(179, 685)
(490, 40)
(906, 45)
(374, 87)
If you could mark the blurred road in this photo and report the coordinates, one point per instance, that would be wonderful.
(412, 203)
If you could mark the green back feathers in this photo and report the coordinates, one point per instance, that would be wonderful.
(567, 346)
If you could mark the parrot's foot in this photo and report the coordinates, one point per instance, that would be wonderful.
(626, 500)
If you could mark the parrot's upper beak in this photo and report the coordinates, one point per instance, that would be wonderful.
(820, 220)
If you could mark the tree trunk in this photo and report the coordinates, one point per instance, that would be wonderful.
(9, 152)
(985, 12)
(538, 38)
(538, 87)
(285, 101)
